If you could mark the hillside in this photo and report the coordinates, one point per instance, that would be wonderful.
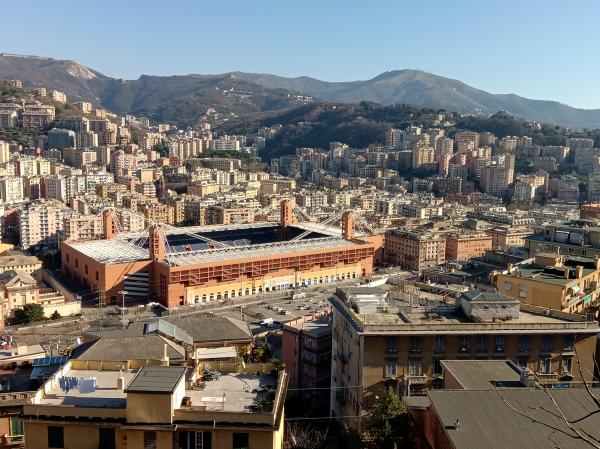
(431, 91)
(181, 99)
(176, 99)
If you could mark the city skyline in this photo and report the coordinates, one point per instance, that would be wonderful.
(508, 48)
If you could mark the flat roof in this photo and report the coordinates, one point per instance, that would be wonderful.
(232, 392)
(433, 317)
(155, 379)
(483, 374)
(107, 394)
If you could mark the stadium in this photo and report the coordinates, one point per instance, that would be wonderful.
(189, 265)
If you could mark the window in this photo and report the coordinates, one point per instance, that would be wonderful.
(482, 343)
(415, 344)
(566, 365)
(392, 344)
(507, 286)
(414, 367)
(240, 440)
(390, 368)
(149, 440)
(523, 343)
(56, 436)
(439, 344)
(545, 365)
(522, 291)
(436, 367)
(195, 440)
(106, 438)
(523, 362)
(500, 344)
(547, 343)
(86, 269)
(569, 342)
(463, 343)
(97, 276)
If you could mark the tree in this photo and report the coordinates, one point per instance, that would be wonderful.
(30, 313)
(55, 315)
(384, 423)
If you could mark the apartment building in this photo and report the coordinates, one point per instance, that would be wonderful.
(24, 264)
(414, 249)
(504, 237)
(306, 352)
(110, 405)
(58, 96)
(552, 280)
(11, 190)
(466, 141)
(573, 238)
(37, 116)
(9, 119)
(40, 223)
(465, 246)
(399, 342)
(61, 138)
(214, 215)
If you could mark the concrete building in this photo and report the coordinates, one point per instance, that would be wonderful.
(465, 246)
(553, 281)
(40, 224)
(11, 190)
(414, 249)
(24, 264)
(306, 352)
(156, 407)
(574, 238)
(393, 344)
(61, 138)
(505, 237)
(37, 116)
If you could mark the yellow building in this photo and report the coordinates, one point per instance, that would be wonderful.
(157, 407)
(558, 282)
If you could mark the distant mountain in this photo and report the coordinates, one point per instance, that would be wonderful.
(179, 99)
(182, 98)
(431, 91)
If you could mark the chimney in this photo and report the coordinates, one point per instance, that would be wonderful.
(165, 359)
(597, 262)
(579, 271)
(348, 225)
(108, 224)
(120, 381)
(457, 424)
(509, 268)
(156, 243)
(566, 273)
(286, 213)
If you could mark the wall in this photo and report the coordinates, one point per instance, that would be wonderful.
(149, 408)
(76, 435)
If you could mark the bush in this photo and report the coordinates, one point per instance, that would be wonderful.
(30, 313)
(55, 315)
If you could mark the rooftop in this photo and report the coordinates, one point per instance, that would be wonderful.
(490, 419)
(232, 392)
(155, 379)
(209, 328)
(427, 316)
(106, 394)
(198, 244)
(147, 347)
(483, 374)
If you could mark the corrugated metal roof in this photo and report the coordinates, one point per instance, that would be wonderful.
(156, 379)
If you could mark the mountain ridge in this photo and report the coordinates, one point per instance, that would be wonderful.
(165, 97)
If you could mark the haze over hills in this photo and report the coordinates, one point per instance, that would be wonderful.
(182, 98)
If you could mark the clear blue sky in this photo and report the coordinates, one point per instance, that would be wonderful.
(546, 49)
